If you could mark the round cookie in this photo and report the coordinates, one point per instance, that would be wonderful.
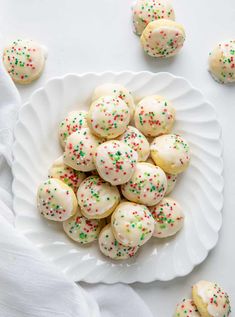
(75, 120)
(132, 224)
(115, 161)
(97, 198)
(24, 60)
(154, 116)
(211, 300)
(81, 229)
(108, 117)
(170, 152)
(137, 141)
(222, 62)
(147, 185)
(79, 150)
(117, 91)
(163, 38)
(146, 11)
(110, 247)
(56, 200)
(186, 308)
(168, 216)
(66, 174)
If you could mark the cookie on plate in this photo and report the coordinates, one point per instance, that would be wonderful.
(163, 38)
(24, 60)
(74, 121)
(110, 247)
(108, 117)
(186, 308)
(132, 224)
(147, 185)
(97, 198)
(211, 300)
(79, 150)
(115, 161)
(55, 200)
(171, 152)
(168, 216)
(154, 115)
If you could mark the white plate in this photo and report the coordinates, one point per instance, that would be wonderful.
(199, 189)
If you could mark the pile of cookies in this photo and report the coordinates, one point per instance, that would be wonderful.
(209, 299)
(113, 179)
(154, 22)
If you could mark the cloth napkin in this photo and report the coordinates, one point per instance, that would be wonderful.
(29, 284)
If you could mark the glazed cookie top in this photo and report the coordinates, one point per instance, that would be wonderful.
(163, 38)
(55, 200)
(110, 247)
(154, 115)
(186, 308)
(145, 11)
(117, 91)
(115, 161)
(169, 218)
(216, 299)
(170, 152)
(137, 141)
(171, 182)
(132, 224)
(24, 60)
(222, 62)
(81, 229)
(66, 174)
(147, 185)
(79, 150)
(108, 117)
(75, 120)
(97, 198)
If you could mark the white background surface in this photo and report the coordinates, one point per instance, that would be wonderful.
(96, 35)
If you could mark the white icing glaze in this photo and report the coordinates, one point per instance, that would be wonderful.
(171, 182)
(108, 117)
(132, 224)
(115, 161)
(186, 308)
(147, 185)
(97, 198)
(154, 115)
(110, 247)
(137, 141)
(55, 200)
(79, 150)
(163, 38)
(168, 216)
(117, 91)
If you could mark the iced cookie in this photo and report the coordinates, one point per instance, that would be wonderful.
(145, 11)
(163, 38)
(154, 116)
(168, 216)
(117, 91)
(75, 120)
(81, 229)
(186, 308)
(147, 185)
(79, 150)
(171, 182)
(170, 152)
(132, 224)
(66, 174)
(56, 200)
(110, 247)
(222, 62)
(137, 141)
(24, 60)
(97, 198)
(108, 117)
(115, 162)
(211, 300)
